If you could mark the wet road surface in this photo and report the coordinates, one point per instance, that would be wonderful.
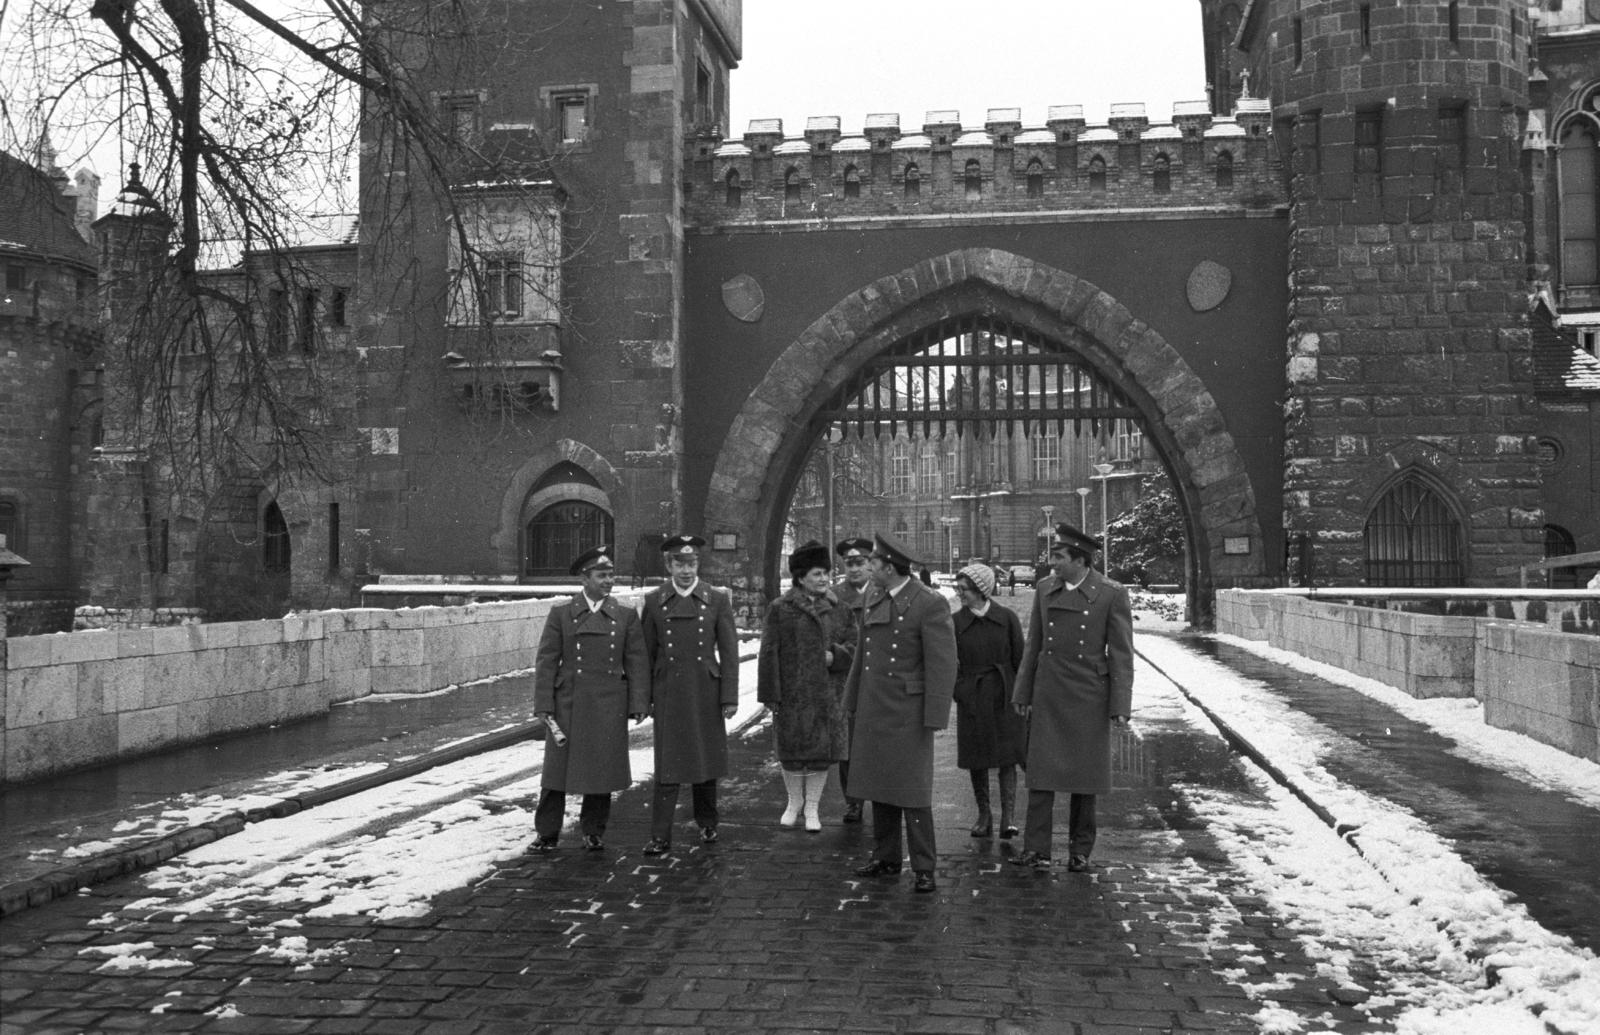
(1540, 846)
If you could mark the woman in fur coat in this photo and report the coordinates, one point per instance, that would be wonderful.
(807, 645)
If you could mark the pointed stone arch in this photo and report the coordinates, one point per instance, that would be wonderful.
(506, 541)
(760, 458)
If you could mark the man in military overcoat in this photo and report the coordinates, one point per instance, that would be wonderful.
(854, 554)
(1075, 684)
(590, 676)
(694, 689)
(900, 687)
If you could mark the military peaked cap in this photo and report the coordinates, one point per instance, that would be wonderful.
(682, 546)
(848, 548)
(894, 551)
(1069, 535)
(599, 557)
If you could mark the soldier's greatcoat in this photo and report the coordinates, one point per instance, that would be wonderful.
(1076, 672)
(899, 690)
(591, 672)
(694, 671)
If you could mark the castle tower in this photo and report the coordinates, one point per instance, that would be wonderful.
(1409, 417)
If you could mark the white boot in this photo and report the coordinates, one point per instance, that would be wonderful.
(815, 782)
(794, 783)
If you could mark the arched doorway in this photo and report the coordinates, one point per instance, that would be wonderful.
(1142, 377)
(1413, 537)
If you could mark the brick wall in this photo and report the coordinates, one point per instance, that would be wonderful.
(1408, 338)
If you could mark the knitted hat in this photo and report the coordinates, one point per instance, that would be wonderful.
(812, 555)
(982, 578)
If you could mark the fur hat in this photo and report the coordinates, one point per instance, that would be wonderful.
(812, 555)
(982, 578)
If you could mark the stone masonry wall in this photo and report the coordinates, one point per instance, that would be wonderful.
(74, 700)
(1408, 339)
(1535, 681)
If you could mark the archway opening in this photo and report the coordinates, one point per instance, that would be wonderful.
(970, 439)
(559, 533)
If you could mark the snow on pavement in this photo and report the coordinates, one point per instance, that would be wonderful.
(1458, 954)
(387, 851)
(1461, 720)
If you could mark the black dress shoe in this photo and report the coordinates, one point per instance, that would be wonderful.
(879, 868)
(925, 882)
(708, 835)
(1033, 859)
(592, 843)
(1078, 863)
(658, 846)
(1007, 833)
(852, 812)
(542, 844)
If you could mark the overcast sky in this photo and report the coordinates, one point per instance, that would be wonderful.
(854, 57)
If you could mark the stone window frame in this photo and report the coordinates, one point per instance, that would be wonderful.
(1451, 501)
(1097, 166)
(552, 102)
(503, 223)
(1161, 173)
(447, 101)
(17, 541)
(911, 176)
(1578, 111)
(733, 184)
(1034, 178)
(1223, 166)
(794, 184)
(852, 181)
(901, 476)
(1045, 450)
(972, 179)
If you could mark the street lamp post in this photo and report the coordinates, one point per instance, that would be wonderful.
(950, 522)
(1048, 529)
(1104, 471)
(1083, 505)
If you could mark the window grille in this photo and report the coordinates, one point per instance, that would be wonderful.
(1412, 539)
(563, 531)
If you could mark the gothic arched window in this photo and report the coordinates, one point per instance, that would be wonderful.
(791, 185)
(1558, 542)
(1097, 175)
(735, 189)
(974, 180)
(1580, 271)
(1413, 538)
(913, 180)
(852, 182)
(1224, 171)
(274, 540)
(1162, 181)
(562, 531)
(1036, 179)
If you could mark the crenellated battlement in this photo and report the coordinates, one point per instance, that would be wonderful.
(1196, 159)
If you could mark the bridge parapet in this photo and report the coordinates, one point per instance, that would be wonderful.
(1195, 160)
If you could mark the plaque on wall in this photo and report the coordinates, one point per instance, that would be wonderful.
(1234, 545)
(725, 540)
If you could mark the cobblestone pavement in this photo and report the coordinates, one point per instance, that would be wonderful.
(769, 930)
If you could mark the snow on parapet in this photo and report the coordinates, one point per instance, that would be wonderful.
(1004, 120)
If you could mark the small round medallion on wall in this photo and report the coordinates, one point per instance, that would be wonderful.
(1208, 285)
(743, 297)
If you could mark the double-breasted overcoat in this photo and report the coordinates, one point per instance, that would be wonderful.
(1076, 672)
(694, 672)
(899, 690)
(591, 672)
(794, 678)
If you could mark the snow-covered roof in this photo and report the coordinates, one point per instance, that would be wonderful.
(792, 147)
(1129, 110)
(1065, 112)
(822, 123)
(1098, 135)
(1224, 128)
(851, 145)
(883, 120)
(766, 126)
(914, 142)
(1163, 132)
(1252, 106)
(1003, 115)
(731, 150)
(975, 138)
(1036, 136)
(942, 118)
(1190, 108)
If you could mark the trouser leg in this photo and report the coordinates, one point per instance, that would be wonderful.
(919, 838)
(844, 783)
(547, 815)
(1081, 826)
(705, 804)
(886, 832)
(1041, 822)
(596, 811)
(663, 807)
